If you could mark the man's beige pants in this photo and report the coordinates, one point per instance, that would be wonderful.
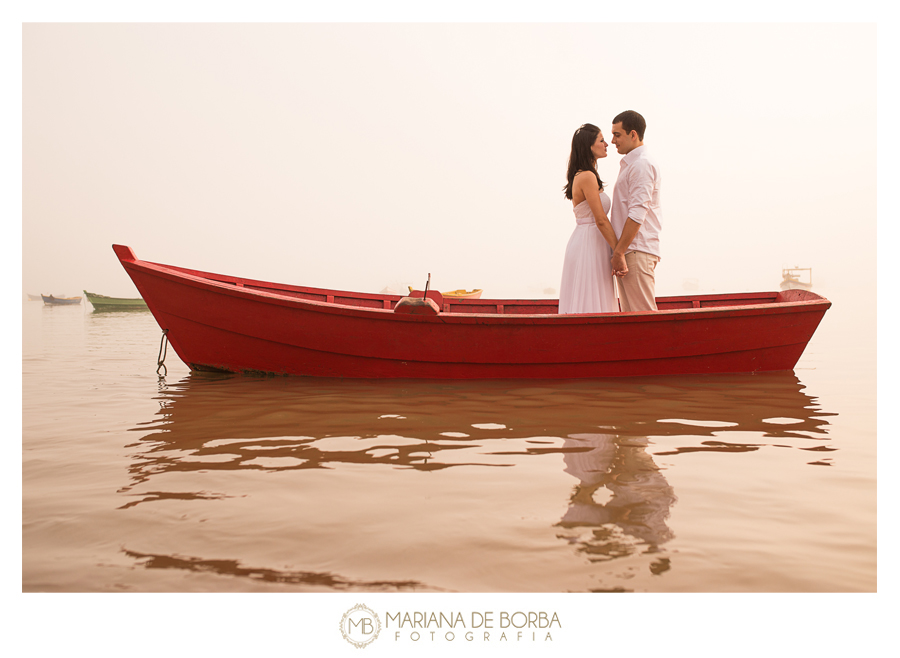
(637, 289)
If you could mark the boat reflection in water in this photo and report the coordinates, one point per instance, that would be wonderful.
(609, 435)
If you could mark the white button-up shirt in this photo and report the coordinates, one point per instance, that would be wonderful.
(636, 196)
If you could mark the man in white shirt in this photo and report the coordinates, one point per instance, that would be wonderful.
(635, 215)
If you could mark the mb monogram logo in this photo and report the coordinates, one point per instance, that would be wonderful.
(360, 626)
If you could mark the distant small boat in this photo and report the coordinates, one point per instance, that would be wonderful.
(33, 298)
(458, 294)
(103, 302)
(790, 278)
(50, 300)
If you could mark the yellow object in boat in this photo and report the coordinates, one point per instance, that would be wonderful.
(460, 294)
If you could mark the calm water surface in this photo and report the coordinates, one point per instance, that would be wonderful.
(193, 482)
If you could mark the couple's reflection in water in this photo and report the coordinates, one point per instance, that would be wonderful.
(609, 434)
(621, 502)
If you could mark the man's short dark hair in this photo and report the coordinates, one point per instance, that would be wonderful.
(631, 120)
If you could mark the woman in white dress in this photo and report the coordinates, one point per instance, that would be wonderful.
(587, 277)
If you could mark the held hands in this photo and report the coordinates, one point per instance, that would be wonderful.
(619, 268)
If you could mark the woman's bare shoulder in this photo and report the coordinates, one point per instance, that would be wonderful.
(587, 178)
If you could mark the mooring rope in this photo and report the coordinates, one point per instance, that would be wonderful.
(160, 360)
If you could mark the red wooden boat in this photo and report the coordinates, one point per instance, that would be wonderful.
(232, 324)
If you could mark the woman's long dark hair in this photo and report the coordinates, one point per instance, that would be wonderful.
(581, 157)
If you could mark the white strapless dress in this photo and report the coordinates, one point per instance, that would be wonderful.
(587, 282)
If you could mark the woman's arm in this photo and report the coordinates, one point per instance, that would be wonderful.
(587, 183)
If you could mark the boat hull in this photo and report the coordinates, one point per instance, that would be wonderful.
(215, 322)
(795, 285)
(50, 300)
(102, 302)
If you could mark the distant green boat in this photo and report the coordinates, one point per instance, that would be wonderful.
(102, 302)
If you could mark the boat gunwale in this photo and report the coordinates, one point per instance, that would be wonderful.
(231, 287)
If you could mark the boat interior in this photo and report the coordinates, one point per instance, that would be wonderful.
(488, 306)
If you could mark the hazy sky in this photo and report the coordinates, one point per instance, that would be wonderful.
(362, 155)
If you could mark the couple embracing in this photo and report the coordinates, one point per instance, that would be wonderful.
(615, 242)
